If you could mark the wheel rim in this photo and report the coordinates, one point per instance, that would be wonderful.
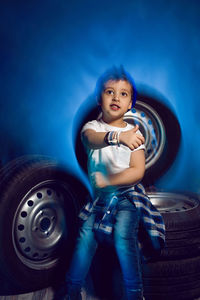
(172, 202)
(152, 128)
(39, 225)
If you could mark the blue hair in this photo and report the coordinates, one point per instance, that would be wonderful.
(115, 73)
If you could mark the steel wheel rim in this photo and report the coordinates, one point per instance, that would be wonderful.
(39, 225)
(173, 202)
(152, 128)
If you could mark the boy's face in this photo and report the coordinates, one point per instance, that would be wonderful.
(116, 99)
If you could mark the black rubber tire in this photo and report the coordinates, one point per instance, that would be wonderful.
(175, 274)
(176, 279)
(181, 213)
(20, 178)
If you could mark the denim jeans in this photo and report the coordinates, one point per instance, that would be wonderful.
(125, 233)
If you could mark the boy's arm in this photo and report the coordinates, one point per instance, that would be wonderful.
(96, 140)
(130, 176)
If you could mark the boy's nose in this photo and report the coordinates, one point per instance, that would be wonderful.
(116, 96)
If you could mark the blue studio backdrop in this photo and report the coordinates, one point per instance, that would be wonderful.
(52, 53)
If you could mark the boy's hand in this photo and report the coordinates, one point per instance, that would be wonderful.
(131, 139)
(100, 181)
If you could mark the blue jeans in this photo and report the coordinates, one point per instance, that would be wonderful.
(125, 233)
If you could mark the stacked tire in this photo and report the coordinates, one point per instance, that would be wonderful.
(176, 273)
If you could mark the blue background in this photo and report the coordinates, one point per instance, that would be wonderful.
(52, 53)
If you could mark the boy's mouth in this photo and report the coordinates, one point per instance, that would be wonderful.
(114, 106)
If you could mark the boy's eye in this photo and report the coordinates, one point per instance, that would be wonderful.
(109, 92)
(124, 94)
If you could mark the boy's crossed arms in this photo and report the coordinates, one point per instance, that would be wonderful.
(131, 175)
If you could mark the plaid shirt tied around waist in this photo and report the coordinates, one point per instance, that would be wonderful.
(151, 235)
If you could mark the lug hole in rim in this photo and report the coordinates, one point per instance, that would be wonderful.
(39, 195)
(20, 227)
(27, 249)
(23, 214)
(30, 203)
(22, 240)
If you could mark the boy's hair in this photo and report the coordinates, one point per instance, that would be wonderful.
(115, 73)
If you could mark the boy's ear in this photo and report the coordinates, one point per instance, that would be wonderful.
(130, 105)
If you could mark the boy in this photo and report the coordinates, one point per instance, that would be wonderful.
(116, 163)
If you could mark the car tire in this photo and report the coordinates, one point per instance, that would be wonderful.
(39, 203)
(181, 214)
(175, 279)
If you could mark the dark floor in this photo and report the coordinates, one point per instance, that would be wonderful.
(45, 294)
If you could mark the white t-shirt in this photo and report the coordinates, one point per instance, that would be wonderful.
(110, 159)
